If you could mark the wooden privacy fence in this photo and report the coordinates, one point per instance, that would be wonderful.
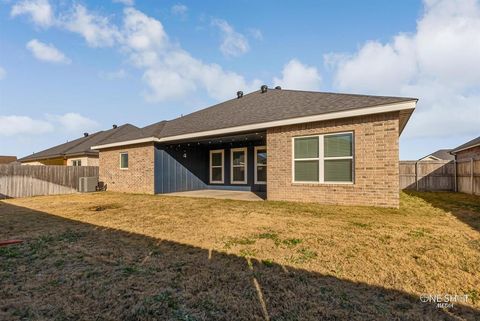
(25, 181)
(462, 176)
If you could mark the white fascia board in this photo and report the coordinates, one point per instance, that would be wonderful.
(299, 120)
(127, 142)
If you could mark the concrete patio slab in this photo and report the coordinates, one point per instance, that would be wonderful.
(221, 194)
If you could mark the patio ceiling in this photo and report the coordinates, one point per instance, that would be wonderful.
(239, 138)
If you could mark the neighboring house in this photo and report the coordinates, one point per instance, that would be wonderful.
(439, 155)
(468, 150)
(7, 159)
(77, 152)
(295, 145)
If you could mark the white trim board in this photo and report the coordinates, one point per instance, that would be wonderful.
(276, 123)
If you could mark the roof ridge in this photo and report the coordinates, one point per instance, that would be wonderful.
(81, 140)
(346, 94)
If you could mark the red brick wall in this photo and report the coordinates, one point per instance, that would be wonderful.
(376, 180)
(138, 178)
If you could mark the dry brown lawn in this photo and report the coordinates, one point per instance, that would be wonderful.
(109, 256)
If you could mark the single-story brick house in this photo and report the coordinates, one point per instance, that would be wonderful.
(293, 145)
(76, 152)
(469, 150)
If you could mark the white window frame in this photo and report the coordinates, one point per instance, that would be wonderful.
(321, 159)
(75, 161)
(257, 148)
(245, 150)
(222, 152)
(120, 160)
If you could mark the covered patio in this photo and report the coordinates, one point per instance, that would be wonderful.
(213, 166)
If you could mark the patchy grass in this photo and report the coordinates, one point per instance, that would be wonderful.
(109, 256)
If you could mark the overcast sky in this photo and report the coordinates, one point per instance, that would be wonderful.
(68, 67)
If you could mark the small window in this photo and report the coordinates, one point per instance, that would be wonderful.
(323, 158)
(123, 160)
(260, 165)
(238, 165)
(216, 166)
(76, 162)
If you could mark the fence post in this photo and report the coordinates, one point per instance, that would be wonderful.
(455, 188)
(416, 175)
(471, 176)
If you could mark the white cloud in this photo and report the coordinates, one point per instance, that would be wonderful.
(13, 125)
(233, 43)
(179, 10)
(439, 63)
(73, 122)
(113, 75)
(3, 73)
(17, 125)
(296, 75)
(46, 52)
(169, 71)
(125, 2)
(40, 11)
(95, 29)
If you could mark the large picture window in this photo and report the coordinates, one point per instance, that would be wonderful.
(323, 158)
(216, 166)
(238, 169)
(260, 165)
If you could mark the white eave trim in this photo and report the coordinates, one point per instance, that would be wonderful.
(284, 122)
(127, 142)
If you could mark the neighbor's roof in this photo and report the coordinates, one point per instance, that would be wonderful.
(7, 159)
(152, 130)
(441, 154)
(259, 110)
(81, 146)
(473, 143)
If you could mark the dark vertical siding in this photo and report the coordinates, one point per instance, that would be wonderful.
(171, 176)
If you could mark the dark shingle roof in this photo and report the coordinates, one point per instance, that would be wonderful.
(273, 105)
(442, 154)
(472, 143)
(153, 130)
(80, 146)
